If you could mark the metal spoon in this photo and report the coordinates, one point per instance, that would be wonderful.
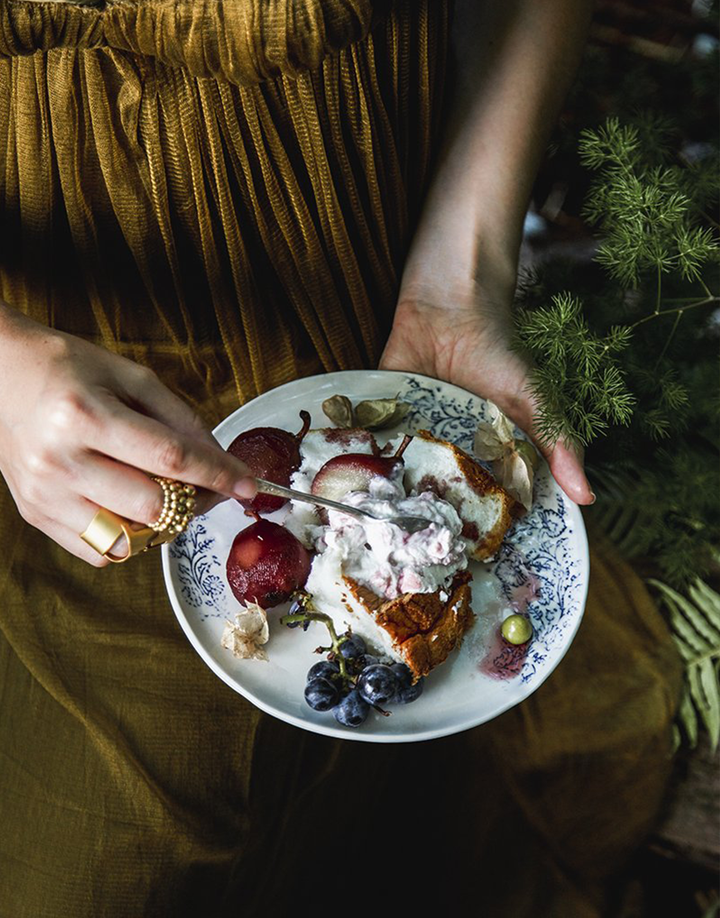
(408, 523)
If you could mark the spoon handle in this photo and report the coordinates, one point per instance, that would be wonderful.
(276, 490)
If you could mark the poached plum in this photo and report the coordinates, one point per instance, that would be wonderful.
(266, 564)
(354, 471)
(272, 454)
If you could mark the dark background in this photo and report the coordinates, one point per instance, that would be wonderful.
(644, 56)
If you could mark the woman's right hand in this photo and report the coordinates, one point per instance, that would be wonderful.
(82, 428)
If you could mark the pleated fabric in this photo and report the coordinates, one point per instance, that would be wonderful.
(226, 191)
(189, 186)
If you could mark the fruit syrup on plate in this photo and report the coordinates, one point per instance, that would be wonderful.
(268, 565)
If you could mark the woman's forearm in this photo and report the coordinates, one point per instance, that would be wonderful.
(515, 62)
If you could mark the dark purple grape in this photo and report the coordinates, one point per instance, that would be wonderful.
(297, 607)
(353, 646)
(377, 684)
(407, 691)
(370, 660)
(325, 669)
(321, 694)
(352, 710)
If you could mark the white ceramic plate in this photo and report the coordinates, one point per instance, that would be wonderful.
(545, 553)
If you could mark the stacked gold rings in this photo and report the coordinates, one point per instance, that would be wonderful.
(107, 527)
(178, 505)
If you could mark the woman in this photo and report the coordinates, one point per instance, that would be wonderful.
(202, 201)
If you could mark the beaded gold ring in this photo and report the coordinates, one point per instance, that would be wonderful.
(178, 506)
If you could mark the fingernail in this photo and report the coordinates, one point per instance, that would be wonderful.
(594, 498)
(245, 488)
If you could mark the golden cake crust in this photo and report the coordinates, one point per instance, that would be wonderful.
(424, 628)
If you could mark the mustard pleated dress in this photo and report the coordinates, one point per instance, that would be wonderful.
(225, 190)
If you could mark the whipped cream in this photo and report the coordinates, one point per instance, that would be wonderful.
(384, 557)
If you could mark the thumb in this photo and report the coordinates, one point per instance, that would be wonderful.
(566, 466)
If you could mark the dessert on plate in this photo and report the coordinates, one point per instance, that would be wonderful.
(396, 604)
(407, 595)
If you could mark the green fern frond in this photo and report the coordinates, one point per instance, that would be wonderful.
(695, 625)
(627, 524)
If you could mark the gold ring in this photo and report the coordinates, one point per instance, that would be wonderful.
(178, 505)
(106, 528)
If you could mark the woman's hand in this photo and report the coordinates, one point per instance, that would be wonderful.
(81, 428)
(468, 344)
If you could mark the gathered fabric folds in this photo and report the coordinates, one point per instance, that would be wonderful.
(241, 41)
(159, 199)
(225, 190)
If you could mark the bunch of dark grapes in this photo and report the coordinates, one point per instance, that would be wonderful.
(352, 681)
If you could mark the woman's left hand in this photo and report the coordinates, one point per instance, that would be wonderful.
(467, 342)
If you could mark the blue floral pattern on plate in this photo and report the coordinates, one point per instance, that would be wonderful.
(201, 585)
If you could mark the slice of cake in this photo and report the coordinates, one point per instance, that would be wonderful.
(422, 629)
(485, 508)
(417, 628)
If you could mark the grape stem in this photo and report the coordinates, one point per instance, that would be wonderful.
(336, 641)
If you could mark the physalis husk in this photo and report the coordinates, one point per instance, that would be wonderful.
(513, 460)
(245, 636)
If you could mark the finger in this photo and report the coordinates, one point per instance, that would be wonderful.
(144, 443)
(148, 394)
(129, 492)
(71, 541)
(567, 469)
(77, 515)
(566, 463)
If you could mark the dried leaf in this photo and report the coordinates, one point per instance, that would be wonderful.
(339, 409)
(494, 436)
(376, 413)
(515, 473)
(502, 425)
(514, 461)
(400, 413)
(247, 633)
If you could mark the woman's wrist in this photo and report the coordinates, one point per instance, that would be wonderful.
(514, 63)
(457, 260)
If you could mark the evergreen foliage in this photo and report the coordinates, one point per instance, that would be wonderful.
(626, 364)
(625, 353)
(643, 214)
(593, 393)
